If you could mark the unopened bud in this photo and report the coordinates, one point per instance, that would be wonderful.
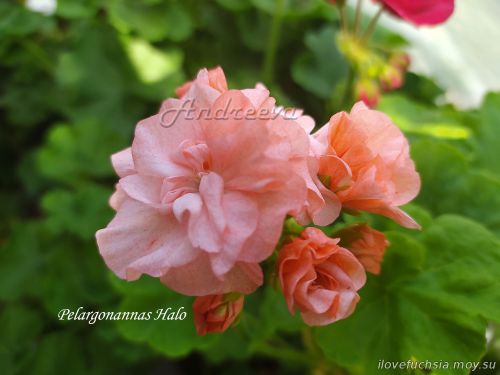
(400, 60)
(368, 91)
(391, 78)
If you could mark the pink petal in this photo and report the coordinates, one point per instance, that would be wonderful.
(140, 240)
(145, 189)
(153, 144)
(117, 198)
(422, 12)
(123, 163)
(188, 279)
(241, 213)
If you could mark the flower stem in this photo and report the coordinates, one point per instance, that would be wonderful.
(357, 19)
(348, 90)
(284, 354)
(343, 17)
(272, 42)
(321, 367)
(371, 27)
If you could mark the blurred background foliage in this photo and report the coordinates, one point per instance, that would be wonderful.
(73, 84)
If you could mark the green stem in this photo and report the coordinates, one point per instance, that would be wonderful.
(272, 42)
(348, 89)
(321, 365)
(371, 27)
(357, 19)
(343, 17)
(284, 354)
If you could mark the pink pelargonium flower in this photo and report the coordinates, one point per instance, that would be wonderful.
(202, 198)
(319, 278)
(364, 159)
(322, 206)
(216, 80)
(421, 12)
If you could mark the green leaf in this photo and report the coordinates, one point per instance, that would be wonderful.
(76, 8)
(84, 274)
(6, 360)
(417, 118)
(81, 212)
(429, 303)
(235, 5)
(20, 262)
(152, 64)
(231, 344)
(180, 21)
(96, 80)
(462, 268)
(297, 9)
(74, 152)
(441, 167)
(450, 184)
(59, 353)
(17, 20)
(321, 69)
(21, 327)
(253, 27)
(174, 338)
(275, 313)
(154, 21)
(478, 199)
(488, 139)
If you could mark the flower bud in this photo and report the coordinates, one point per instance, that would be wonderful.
(216, 313)
(367, 244)
(368, 91)
(391, 78)
(400, 60)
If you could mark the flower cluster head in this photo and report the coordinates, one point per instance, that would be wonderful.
(374, 72)
(203, 195)
(380, 75)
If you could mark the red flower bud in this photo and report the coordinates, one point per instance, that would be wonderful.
(368, 91)
(217, 312)
(391, 78)
(367, 244)
(400, 60)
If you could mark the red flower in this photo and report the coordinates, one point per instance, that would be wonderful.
(368, 91)
(421, 12)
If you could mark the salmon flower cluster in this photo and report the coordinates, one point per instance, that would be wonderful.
(209, 181)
